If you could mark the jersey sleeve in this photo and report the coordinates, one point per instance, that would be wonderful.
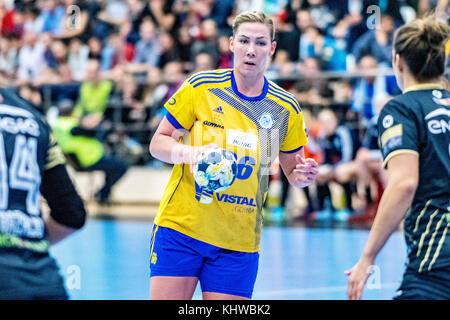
(296, 136)
(180, 107)
(397, 131)
(55, 155)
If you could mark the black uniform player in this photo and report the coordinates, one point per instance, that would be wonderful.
(31, 163)
(414, 135)
(418, 122)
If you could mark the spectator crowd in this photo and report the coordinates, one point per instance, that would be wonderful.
(115, 63)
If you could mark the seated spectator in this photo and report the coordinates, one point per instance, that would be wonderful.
(368, 87)
(203, 62)
(31, 59)
(85, 152)
(338, 149)
(147, 49)
(303, 22)
(331, 56)
(366, 169)
(376, 43)
(207, 41)
(111, 16)
(8, 27)
(113, 54)
(8, 56)
(160, 11)
(184, 43)
(93, 99)
(95, 48)
(130, 116)
(281, 65)
(312, 150)
(321, 14)
(52, 18)
(169, 50)
(173, 75)
(310, 89)
(56, 69)
(220, 13)
(77, 59)
(225, 54)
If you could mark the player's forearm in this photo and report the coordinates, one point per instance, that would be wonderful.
(394, 203)
(169, 150)
(57, 231)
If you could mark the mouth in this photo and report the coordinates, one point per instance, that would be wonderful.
(249, 63)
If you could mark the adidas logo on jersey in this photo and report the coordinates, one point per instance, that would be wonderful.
(218, 110)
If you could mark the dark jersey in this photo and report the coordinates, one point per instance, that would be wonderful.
(370, 140)
(27, 149)
(418, 122)
(338, 147)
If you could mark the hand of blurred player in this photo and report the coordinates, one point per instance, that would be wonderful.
(305, 171)
(357, 278)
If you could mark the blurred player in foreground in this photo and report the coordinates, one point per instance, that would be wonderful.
(415, 143)
(217, 243)
(30, 163)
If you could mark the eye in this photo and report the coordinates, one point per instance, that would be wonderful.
(243, 41)
(261, 43)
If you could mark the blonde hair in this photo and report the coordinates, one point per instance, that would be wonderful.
(254, 17)
(421, 43)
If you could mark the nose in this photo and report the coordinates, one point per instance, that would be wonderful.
(251, 50)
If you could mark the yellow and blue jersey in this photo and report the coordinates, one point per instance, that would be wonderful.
(211, 109)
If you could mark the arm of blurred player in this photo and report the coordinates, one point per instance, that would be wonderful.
(300, 172)
(403, 172)
(67, 212)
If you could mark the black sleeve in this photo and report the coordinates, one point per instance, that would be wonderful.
(66, 206)
(397, 130)
(79, 131)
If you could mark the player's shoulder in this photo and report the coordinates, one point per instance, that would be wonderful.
(216, 76)
(283, 97)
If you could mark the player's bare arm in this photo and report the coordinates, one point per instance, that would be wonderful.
(403, 179)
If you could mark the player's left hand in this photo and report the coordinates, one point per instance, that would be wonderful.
(357, 278)
(305, 171)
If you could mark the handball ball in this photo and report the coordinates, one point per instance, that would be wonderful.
(215, 170)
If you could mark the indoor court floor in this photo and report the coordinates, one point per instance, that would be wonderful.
(109, 260)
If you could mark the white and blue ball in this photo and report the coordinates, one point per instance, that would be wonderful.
(215, 170)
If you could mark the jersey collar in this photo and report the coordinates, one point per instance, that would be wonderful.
(424, 86)
(236, 91)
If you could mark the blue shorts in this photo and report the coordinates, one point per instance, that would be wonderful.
(218, 270)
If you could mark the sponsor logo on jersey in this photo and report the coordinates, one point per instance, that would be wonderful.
(266, 121)
(444, 102)
(223, 197)
(212, 124)
(218, 110)
(438, 126)
(242, 139)
(388, 121)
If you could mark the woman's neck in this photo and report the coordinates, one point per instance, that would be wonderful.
(409, 81)
(251, 85)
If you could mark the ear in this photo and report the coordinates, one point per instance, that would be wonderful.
(399, 63)
(273, 46)
(231, 43)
